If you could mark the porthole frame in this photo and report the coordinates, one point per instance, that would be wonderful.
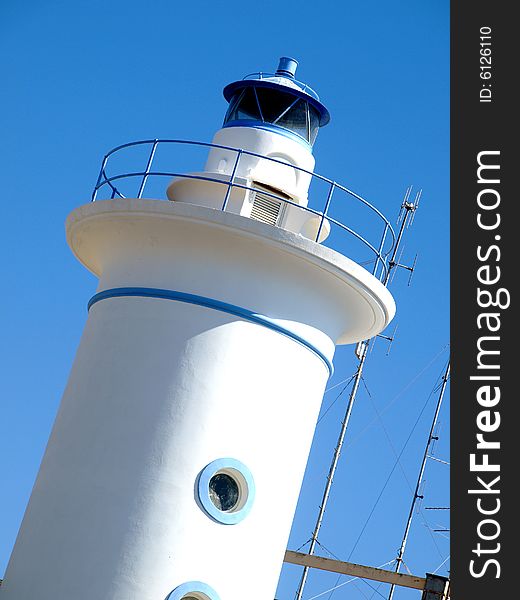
(243, 477)
(195, 589)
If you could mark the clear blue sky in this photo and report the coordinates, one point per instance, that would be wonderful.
(79, 78)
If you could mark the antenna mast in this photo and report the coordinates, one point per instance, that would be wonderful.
(406, 217)
(416, 496)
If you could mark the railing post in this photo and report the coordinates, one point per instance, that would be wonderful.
(325, 209)
(148, 166)
(231, 180)
(379, 253)
(101, 171)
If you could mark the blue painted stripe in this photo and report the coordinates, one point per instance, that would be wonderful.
(231, 309)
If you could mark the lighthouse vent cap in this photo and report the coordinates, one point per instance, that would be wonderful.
(287, 67)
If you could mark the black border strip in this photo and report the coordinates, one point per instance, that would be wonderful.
(482, 125)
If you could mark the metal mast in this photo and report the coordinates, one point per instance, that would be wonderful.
(416, 496)
(405, 217)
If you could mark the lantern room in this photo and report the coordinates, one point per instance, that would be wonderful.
(277, 103)
(264, 151)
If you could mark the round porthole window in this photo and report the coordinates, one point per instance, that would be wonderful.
(226, 490)
(193, 590)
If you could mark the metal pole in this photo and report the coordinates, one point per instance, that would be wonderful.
(409, 210)
(232, 179)
(361, 353)
(379, 254)
(325, 209)
(333, 466)
(148, 166)
(101, 171)
(416, 496)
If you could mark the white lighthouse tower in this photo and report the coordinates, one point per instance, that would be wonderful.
(178, 452)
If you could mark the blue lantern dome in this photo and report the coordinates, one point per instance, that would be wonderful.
(276, 101)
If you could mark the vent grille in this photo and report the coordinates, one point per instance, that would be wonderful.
(266, 209)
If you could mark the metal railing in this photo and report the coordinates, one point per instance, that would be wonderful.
(381, 250)
(303, 86)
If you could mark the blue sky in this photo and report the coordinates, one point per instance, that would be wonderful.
(79, 78)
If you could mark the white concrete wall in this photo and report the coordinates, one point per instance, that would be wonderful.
(272, 145)
(254, 171)
(158, 390)
(212, 194)
(161, 388)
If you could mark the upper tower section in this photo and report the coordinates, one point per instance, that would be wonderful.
(274, 119)
(278, 103)
(257, 176)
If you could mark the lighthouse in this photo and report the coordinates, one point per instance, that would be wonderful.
(178, 452)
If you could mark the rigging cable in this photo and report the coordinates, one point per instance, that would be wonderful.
(420, 476)
(387, 480)
(398, 395)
